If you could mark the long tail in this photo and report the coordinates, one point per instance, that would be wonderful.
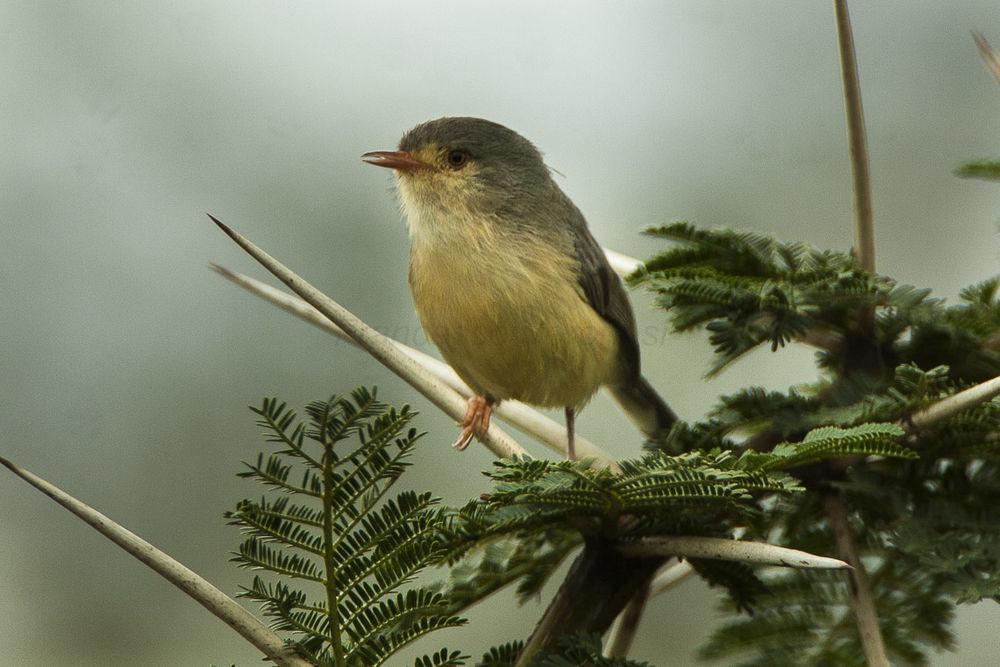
(645, 408)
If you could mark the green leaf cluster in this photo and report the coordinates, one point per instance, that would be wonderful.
(539, 511)
(988, 170)
(341, 554)
(573, 650)
(657, 494)
(747, 289)
(805, 618)
(923, 524)
(920, 499)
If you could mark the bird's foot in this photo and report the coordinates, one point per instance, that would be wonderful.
(475, 423)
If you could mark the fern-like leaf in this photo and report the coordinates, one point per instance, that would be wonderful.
(334, 531)
(831, 441)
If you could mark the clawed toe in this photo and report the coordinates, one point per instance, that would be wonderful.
(476, 422)
(464, 438)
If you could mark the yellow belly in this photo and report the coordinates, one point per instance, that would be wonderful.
(516, 327)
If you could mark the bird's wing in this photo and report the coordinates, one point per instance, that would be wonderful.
(605, 293)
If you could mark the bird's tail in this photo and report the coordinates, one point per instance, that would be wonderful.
(645, 408)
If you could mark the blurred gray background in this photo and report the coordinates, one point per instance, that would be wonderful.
(127, 365)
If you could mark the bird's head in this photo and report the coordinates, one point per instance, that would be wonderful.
(452, 170)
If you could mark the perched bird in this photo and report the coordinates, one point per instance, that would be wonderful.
(508, 281)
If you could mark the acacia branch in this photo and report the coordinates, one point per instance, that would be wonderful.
(955, 403)
(203, 592)
(823, 339)
(864, 229)
(623, 630)
(862, 600)
(601, 583)
(517, 414)
(379, 346)
(718, 548)
(597, 587)
(670, 576)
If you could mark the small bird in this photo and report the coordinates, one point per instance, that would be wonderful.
(508, 281)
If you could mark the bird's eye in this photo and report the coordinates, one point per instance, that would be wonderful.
(457, 159)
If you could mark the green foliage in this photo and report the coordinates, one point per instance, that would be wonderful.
(831, 441)
(504, 655)
(938, 515)
(442, 658)
(657, 494)
(923, 524)
(762, 461)
(334, 528)
(747, 289)
(739, 580)
(541, 510)
(979, 311)
(804, 617)
(988, 170)
(528, 559)
(771, 417)
(576, 650)
(342, 552)
(572, 651)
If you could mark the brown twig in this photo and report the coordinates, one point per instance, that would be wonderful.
(625, 626)
(990, 56)
(864, 229)
(823, 339)
(665, 579)
(598, 586)
(862, 601)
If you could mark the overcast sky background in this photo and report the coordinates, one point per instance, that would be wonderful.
(127, 365)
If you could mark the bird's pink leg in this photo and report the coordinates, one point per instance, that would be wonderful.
(475, 423)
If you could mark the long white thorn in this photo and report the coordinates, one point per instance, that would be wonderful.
(717, 548)
(379, 346)
(522, 417)
(622, 264)
(955, 403)
(207, 595)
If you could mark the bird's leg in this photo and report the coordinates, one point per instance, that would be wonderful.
(476, 421)
(570, 433)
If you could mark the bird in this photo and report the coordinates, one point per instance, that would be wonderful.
(508, 281)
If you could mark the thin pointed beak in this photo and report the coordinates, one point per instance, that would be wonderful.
(398, 160)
